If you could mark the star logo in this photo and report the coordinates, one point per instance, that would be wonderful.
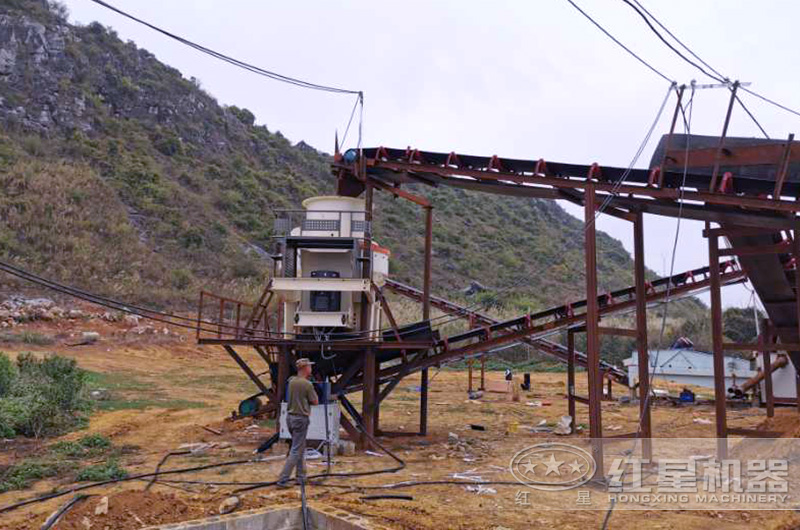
(529, 467)
(552, 465)
(575, 467)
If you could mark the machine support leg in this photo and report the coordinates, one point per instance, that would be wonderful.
(243, 365)
(368, 403)
(283, 373)
(645, 430)
(571, 379)
(793, 356)
(469, 367)
(592, 331)
(765, 341)
(719, 359)
(483, 373)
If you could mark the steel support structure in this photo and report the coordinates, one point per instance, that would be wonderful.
(717, 351)
(426, 315)
(592, 331)
(645, 429)
(571, 380)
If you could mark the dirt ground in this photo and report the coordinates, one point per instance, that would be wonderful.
(167, 389)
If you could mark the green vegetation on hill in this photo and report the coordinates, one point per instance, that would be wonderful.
(119, 175)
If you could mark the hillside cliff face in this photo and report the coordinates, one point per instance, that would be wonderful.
(119, 174)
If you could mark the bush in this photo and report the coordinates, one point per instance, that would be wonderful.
(109, 470)
(7, 374)
(43, 396)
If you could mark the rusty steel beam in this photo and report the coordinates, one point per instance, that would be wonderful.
(744, 155)
(397, 192)
(426, 315)
(660, 181)
(796, 255)
(643, 354)
(246, 368)
(571, 380)
(368, 402)
(672, 194)
(444, 355)
(783, 169)
(592, 331)
(718, 352)
(543, 345)
(718, 155)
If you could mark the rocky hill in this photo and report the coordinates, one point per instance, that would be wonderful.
(119, 174)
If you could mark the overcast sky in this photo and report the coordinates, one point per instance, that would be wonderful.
(526, 79)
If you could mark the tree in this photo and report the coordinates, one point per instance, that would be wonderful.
(739, 324)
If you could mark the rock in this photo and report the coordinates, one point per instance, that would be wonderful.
(229, 504)
(89, 337)
(132, 320)
(346, 448)
(452, 437)
(101, 394)
(102, 507)
(86, 522)
(75, 314)
(564, 426)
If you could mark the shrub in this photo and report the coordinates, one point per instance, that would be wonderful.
(95, 441)
(8, 373)
(44, 396)
(108, 470)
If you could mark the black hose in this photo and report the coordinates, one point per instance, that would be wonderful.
(400, 465)
(161, 463)
(139, 476)
(53, 519)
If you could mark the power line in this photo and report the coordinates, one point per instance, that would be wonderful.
(670, 46)
(641, 10)
(662, 26)
(610, 36)
(228, 59)
(771, 102)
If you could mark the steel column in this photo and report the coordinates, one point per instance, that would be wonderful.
(718, 156)
(765, 341)
(671, 133)
(368, 401)
(796, 253)
(645, 430)
(483, 373)
(426, 315)
(571, 379)
(592, 331)
(720, 394)
(283, 372)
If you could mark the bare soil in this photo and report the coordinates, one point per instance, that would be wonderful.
(167, 389)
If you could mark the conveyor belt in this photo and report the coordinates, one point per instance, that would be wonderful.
(772, 277)
(553, 349)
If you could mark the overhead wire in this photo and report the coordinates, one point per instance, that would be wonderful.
(717, 76)
(228, 59)
(670, 46)
(687, 125)
(620, 44)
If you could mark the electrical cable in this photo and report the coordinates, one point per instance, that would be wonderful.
(770, 101)
(646, 405)
(671, 47)
(228, 59)
(610, 36)
(662, 26)
(56, 494)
